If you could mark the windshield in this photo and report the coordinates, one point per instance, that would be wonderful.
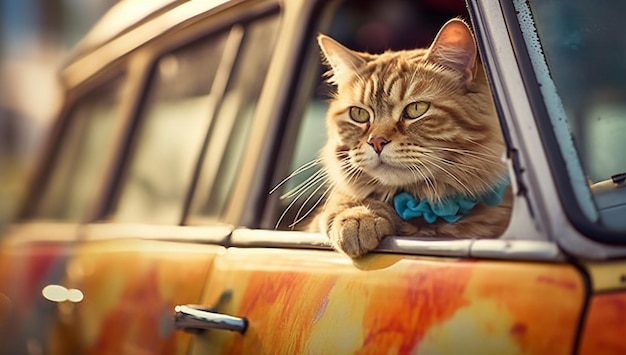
(578, 50)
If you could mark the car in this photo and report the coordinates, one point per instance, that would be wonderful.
(149, 226)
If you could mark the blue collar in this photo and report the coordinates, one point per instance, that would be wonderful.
(451, 208)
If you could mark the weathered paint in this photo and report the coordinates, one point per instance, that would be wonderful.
(25, 316)
(130, 288)
(604, 330)
(323, 303)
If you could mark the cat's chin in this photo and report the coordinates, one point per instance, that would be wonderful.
(392, 176)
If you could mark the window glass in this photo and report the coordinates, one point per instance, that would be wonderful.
(79, 163)
(577, 50)
(232, 123)
(170, 132)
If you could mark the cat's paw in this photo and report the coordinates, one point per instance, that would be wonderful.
(357, 230)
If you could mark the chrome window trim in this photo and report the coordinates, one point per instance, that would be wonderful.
(534, 250)
(244, 237)
(40, 231)
(498, 249)
(216, 234)
(426, 246)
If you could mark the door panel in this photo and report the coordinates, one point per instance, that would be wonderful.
(130, 288)
(26, 316)
(605, 325)
(300, 301)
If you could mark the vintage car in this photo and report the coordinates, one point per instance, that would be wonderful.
(149, 226)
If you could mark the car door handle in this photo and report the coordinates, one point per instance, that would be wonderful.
(192, 317)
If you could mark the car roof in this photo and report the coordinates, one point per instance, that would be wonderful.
(127, 25)
(125, 16)
(120, 18)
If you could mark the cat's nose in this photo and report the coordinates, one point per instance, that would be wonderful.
(378, 143)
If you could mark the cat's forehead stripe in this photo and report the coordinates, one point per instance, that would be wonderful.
(379, 79)
(390, 82)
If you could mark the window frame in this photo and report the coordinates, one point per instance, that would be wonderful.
(54, 142)
(143, 60)
(203, 185)
(515, 91)
(136, 123)
(522, 240)
(566, 194)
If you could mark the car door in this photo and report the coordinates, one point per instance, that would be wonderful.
(135, 261)
(317, 301)
(279, 291)
(36, 248)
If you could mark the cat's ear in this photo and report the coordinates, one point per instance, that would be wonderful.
(342, 61)
(454, 47)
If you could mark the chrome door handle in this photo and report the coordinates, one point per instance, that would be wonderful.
(191, 317)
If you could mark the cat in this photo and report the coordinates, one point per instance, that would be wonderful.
(414, 145)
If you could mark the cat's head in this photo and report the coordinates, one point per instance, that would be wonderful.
(419, 120)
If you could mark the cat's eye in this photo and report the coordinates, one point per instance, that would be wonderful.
(415, 109)
(359, 115)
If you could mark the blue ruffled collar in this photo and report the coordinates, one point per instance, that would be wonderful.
(451, 208)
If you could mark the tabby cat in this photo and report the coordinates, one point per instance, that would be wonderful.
(414, 145)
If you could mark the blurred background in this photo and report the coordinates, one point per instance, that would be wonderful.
(35, 38)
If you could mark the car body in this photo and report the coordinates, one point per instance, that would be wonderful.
(149, 226)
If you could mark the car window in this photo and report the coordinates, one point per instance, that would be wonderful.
(576, 50)
(372, 27)
(79, 162)
(180, 102)
(228, 135)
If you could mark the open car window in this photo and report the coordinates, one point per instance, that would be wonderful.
(374, 27)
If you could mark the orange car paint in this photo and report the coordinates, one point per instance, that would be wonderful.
(324, 303)
(131, 288)
(603, 330)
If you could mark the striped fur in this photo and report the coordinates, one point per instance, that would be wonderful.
(453, 148)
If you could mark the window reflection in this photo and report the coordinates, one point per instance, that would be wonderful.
(234, 118)
(171, 130)
(80, 160)
(583, 45)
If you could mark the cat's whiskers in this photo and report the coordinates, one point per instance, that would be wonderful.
(314, 182)
(470, 170)
(476, 169)
(351, 169)
(490, 150)
(430, 183)
(464, 151)
(429, 178)
(319, 175)
(434, 162)
(304, 167)
(484, 157)
(318, 179)
(299, 218)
